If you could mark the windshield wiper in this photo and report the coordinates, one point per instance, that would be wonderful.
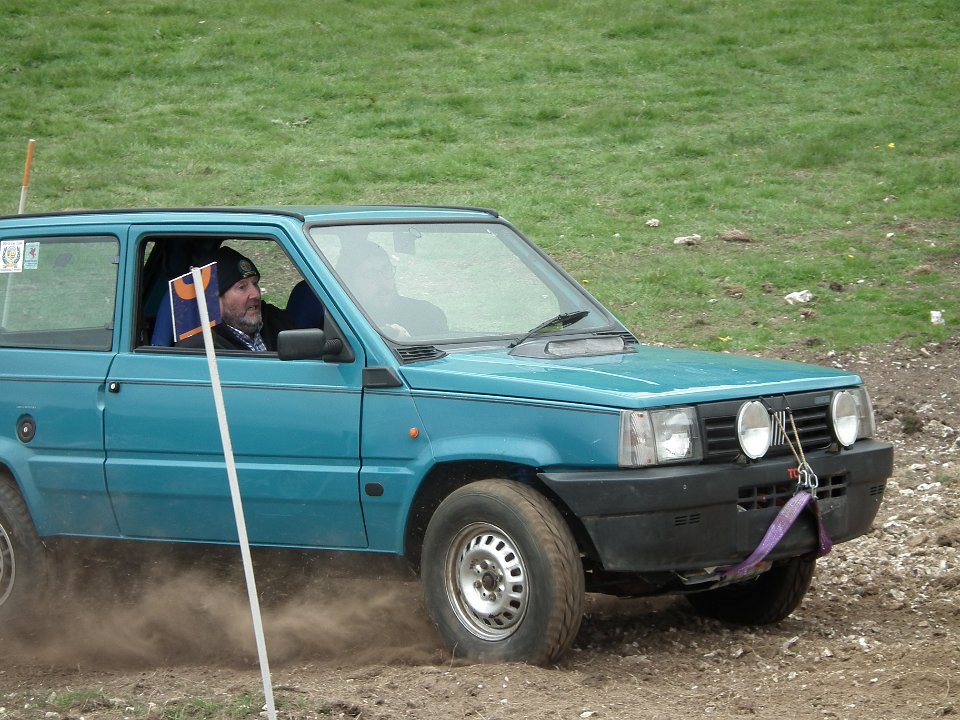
(560, 321)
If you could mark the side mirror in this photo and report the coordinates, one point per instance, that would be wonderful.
(305, 344)
(308, 344)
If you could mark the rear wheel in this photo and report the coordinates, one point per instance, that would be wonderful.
(24, 562)
(502, 576)
(766, 599)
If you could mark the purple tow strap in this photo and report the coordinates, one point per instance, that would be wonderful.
(778, 528)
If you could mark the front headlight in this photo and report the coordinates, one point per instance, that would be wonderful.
(754, 429)
(655, 437)
(845, 417)
(851, 413)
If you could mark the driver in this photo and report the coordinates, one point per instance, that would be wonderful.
(368, 273)
(246, 321)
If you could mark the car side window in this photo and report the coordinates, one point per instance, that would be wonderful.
(58, 292)
(168, 257)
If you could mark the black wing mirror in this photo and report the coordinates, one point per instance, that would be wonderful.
(312, 344)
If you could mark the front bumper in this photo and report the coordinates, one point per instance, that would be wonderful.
(686, 518)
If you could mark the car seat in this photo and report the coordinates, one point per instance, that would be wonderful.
(162, 335)
(304, 308)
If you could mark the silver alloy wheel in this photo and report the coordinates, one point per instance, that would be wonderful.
(486, 581)
(8, 566)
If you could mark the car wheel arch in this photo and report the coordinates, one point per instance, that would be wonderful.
(445, 478)
(23, 485)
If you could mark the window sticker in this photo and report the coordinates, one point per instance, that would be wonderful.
(11, 255)
(31, 256)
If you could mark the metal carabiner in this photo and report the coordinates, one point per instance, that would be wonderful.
(807, 478)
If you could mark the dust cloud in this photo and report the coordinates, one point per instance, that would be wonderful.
(136, 605)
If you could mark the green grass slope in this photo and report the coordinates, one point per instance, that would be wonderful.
(824, 131)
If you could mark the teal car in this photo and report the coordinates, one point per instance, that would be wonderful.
(445, 394)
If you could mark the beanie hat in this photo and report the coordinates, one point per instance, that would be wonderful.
(232, 267)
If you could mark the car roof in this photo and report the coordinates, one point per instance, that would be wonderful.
(304, 213)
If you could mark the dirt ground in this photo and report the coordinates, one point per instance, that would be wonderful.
(877, 636)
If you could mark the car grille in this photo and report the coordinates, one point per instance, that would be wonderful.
(811, 414)
(758, 497)
(417, 353)
(628, 337)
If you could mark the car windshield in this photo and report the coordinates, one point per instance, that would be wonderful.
(444, 282)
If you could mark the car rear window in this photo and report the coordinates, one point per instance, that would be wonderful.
(58, 292)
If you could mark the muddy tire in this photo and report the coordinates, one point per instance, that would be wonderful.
(502, 576)
(766, 599)
(24, 561)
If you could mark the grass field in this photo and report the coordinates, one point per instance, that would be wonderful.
(824, 131)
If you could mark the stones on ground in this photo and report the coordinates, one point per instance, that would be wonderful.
(798, 297)
(734, 235)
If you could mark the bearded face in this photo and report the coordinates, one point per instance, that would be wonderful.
(240, 305)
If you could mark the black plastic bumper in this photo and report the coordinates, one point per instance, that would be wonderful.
(692, 517)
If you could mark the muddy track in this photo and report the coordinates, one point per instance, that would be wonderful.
(878, 635)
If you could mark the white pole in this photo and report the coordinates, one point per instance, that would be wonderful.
(26, 177)
(235, 493)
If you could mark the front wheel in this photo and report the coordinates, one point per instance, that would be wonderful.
(501, 572)
(763, 600)
(24, 562)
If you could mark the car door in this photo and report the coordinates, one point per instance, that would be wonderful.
(294, 427)
(58, 310)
